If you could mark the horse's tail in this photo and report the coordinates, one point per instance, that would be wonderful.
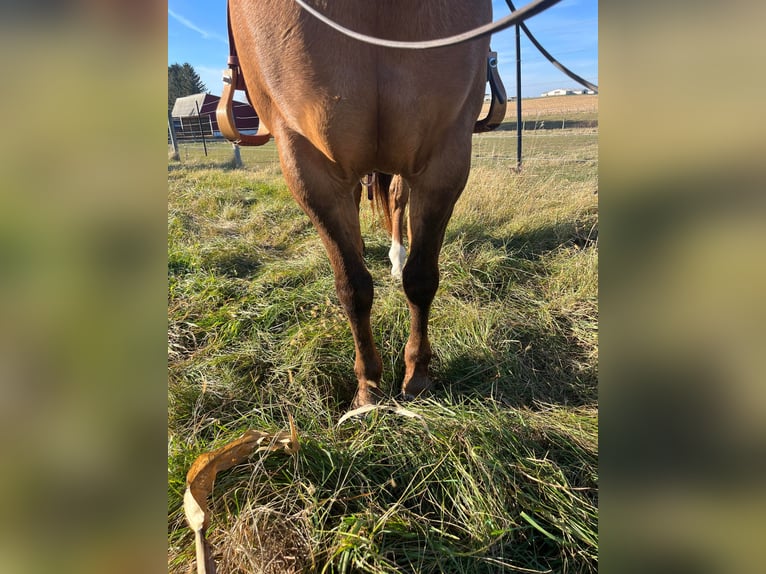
(381, 191)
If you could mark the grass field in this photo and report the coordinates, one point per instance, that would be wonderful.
(499, 475)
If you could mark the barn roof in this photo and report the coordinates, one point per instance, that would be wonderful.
(187, 105)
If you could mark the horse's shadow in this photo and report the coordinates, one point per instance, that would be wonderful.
(529, 244)
(543, 369)
(526, 363)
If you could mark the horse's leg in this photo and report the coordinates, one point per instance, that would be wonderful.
(432, 198)
(358, 200)
(358, 195)
(328, 198)
(397, 203)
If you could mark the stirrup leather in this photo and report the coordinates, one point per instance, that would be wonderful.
(224, 113)
(232, 81)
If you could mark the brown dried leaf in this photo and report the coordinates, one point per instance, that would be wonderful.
(201, 476)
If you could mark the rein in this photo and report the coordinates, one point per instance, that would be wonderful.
(233, 79)
(516, 17)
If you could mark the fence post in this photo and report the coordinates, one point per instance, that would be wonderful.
(173, 139)
(519, 122)
(201, 131)
(237, 155)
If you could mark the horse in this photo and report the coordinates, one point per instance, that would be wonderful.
(339, 109)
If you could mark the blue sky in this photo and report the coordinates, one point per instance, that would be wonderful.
(569, 31)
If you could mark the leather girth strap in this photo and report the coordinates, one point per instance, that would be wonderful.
(224, 113)
(499, 101)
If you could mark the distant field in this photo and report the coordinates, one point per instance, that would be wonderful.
(554, 107)
(499, 475)
(558, 105)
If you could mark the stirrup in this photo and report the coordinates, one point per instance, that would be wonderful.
(224, 113)
(496, 113)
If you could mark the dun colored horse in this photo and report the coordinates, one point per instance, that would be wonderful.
(339, 109)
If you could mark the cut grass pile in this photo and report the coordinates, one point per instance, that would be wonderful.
(501, 473)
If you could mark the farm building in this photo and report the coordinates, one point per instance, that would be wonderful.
(562, 92)
(559, 92)
(194, 115)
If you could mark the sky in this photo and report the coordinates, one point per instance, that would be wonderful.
(197, 34)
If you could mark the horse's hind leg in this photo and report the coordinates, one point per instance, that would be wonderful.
(358, 187)
(398, 197)
(328, 198)
(432, 199)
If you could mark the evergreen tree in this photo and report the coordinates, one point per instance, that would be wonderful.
(183, 81)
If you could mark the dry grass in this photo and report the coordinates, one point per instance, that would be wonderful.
(562, 106)
(558, 105)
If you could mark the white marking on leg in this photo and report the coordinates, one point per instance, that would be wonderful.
(397, 254)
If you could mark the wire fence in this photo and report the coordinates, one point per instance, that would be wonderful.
(198, 140)
(200, 145)
(201, 130)
(545, 143)
(219, 152)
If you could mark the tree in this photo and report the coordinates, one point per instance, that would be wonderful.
(183, 81)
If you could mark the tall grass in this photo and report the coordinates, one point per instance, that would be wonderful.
(499, 475)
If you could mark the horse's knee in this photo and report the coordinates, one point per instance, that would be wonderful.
(355, 292)
(420, 283)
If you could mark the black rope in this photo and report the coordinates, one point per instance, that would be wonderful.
(551, 59)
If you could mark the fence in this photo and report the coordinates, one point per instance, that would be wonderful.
(202, 127)
(194, 127)
(195, 143)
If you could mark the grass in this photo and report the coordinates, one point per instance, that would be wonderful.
(500, 475)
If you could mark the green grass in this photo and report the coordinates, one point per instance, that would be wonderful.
(500, 475)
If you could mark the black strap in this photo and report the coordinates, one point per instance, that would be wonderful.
(551, 59)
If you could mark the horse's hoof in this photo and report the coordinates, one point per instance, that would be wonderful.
(416, 386)
(366, 394)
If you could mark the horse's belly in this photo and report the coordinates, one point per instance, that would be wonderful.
(363, 106)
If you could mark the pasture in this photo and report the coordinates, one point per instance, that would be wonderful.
(500, 475)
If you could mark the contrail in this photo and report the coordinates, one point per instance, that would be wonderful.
(187, 23)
